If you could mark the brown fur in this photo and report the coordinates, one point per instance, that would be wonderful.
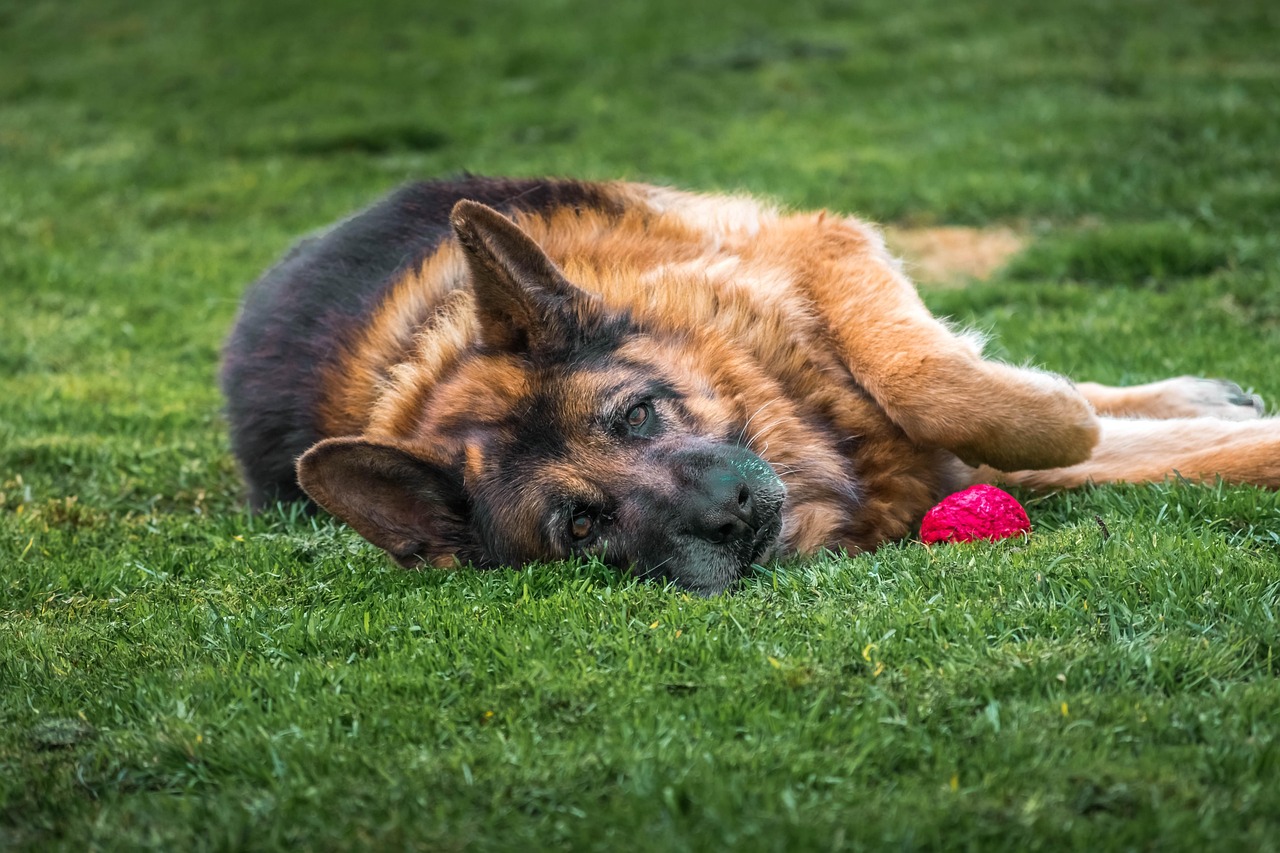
(794, 336)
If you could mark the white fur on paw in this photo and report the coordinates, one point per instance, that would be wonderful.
(1214, 398)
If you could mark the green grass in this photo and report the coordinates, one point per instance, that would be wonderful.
(175, 673)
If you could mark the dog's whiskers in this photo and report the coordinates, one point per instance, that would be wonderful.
(743, 432)
(761, 431)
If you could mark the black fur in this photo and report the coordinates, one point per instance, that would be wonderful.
(304, 310)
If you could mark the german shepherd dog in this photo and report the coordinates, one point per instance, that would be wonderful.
(496, 372)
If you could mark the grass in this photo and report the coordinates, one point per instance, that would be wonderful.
(177, 674)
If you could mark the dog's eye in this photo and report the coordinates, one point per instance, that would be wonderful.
(639, 415)
(581, 525)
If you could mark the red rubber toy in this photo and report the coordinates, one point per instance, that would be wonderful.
(979, 512)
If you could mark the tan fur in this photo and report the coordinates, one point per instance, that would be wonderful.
(805, 328)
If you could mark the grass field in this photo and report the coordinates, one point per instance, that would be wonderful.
(176, 674)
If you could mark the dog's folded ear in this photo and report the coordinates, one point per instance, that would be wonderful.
(523, 301)
(413, 509)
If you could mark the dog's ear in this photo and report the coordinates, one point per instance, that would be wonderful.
(413, 509)
(523, 302)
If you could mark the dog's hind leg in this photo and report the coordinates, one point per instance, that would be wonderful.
(1181, 397)
(1201, 449)
(931, 381)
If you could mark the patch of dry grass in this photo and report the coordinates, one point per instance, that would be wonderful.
(954, 255)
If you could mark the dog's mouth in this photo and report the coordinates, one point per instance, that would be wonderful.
(764, 546)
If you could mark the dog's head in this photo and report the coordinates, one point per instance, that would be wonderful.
(565, 430)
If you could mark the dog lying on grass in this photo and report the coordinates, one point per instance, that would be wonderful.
(496, 372)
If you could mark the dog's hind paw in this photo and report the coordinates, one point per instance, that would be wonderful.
(1180, 397)
(1193, 397)
(1219, 398)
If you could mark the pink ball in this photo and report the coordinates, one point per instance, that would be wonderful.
(979, 512)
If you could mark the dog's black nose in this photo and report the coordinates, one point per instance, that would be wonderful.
(720, 507)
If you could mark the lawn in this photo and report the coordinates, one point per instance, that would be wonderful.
(178, 674)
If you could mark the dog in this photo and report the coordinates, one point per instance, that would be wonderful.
(497, 372)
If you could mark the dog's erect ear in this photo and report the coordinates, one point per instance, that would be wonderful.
(413, 509)
(523, 301)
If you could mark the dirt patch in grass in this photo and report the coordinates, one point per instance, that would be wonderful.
(951, 256)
